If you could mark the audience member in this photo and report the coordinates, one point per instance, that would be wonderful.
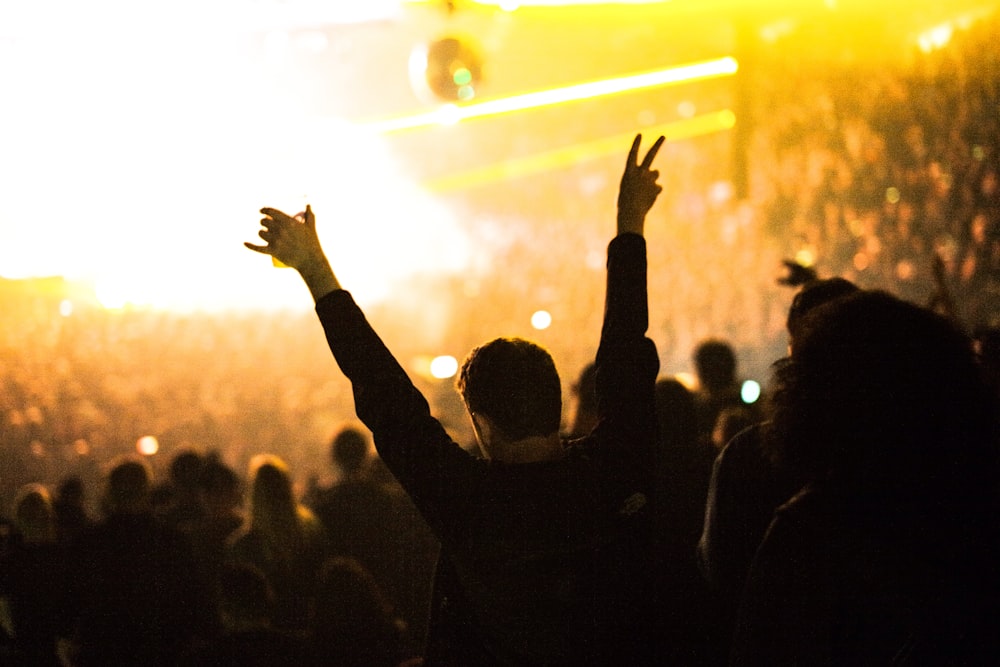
(136, 597)
(221, 499)
(888, 552)
(33, 581)
(355, 625)
(249, 638)
(183, 508)
(72, 517)
(544, 550)
(683, 466)
(718, 385)
(746, 486)
(368, 521)
(284, 539)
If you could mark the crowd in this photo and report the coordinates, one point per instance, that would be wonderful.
(848, 522)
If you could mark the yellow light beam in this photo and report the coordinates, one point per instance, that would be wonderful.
(451, 113)
(565, 157)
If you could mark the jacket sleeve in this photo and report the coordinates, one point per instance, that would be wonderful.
(627, 361)
(434, 470)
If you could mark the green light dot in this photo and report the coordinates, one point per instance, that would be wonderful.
(462, 76)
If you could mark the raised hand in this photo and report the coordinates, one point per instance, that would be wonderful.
(639, 189)
(292, 240)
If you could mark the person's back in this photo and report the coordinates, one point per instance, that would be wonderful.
(544, 549)
(889, 551)
(283, 538)
(369, 521)
(34, 580)
(137, 596)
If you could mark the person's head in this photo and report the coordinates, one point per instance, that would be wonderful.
(715, 364)
(880, 391)
(128, 488)
(33, 514)
(349, 450)
(512, 392)
(185, 470)
(270, 486)
(675, 412)
(70, 491)
(815, 293)
(220, 486)
(245, 598)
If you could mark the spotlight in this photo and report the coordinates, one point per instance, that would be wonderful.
(447, 69)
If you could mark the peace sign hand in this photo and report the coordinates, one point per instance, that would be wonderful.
(639, 189)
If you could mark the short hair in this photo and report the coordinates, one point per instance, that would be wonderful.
(185, 468)
(349, 449)
(715, 363)
(129, 485)
(514, 383)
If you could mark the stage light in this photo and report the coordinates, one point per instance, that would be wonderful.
(447, 69)
(670, 76)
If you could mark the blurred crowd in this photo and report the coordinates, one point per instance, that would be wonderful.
(872, 173)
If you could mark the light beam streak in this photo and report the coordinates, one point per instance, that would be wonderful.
(449, 114)
(564, 157)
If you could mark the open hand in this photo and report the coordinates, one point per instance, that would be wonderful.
(639, 189)
(291, 240)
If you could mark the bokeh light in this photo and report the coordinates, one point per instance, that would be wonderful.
(147, 445)
(444, 367)
(750, 391)
(541, 319)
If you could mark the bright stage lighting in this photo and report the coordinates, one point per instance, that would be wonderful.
(708, 69)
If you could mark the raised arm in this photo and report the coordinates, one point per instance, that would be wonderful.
(627, 362)
(293, 241)
(638, 190)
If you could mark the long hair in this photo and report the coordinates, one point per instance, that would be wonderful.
(274, 512)
(885, 396)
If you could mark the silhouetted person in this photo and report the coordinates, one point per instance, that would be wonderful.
(249, 637)
(369, 522)
(34, 579)
(284, 539)
(354, 625)
(683, 466)
(718, 386)
(746, 486)
(221, 499)
(888, 553)
(137, 597)
(183, 508)
(544, 549)
(72, 517)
